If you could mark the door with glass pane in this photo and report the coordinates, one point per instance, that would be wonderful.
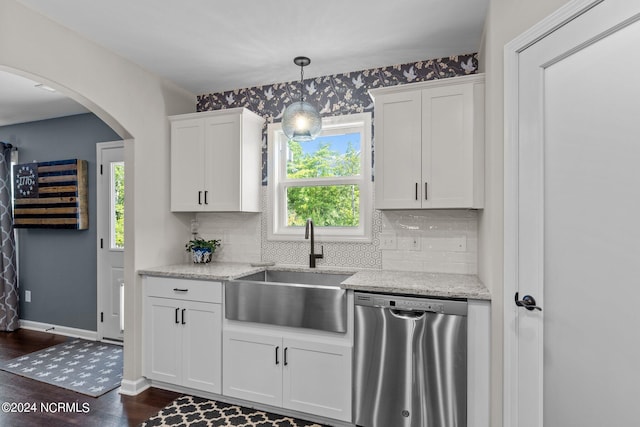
(110, 239)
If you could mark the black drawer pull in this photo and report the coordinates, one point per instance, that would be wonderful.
(180, 290)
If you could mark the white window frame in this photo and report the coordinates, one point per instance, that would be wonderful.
(277, 228)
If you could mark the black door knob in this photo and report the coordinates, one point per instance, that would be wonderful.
(527, 302)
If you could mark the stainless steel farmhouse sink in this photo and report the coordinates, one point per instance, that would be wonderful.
(297, 278)
(289, 298)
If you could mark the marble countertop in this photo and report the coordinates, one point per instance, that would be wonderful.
(388, 281)
(210, 271)
(418, 283)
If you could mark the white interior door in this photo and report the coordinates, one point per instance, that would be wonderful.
(572, 199)
(110, 226)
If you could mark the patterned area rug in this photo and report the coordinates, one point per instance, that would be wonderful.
(87, 367)
(190, 411)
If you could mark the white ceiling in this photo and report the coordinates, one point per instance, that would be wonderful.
(208, 46)
(21, 101)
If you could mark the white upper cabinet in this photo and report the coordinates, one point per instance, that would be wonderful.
(429, 144)
(216, 161)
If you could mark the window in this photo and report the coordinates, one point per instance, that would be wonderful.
(116, 207)
(327, 179)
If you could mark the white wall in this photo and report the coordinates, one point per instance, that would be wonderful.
(135, 103)
(506, 20)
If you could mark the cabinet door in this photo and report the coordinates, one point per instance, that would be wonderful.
(252, 367)
(187, 165)
(163, 340)
(447, 150)
(202, 344)
(222, 178)
(317, 378)
(398, 150)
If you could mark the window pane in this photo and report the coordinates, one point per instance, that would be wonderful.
(325, 156)
(327, 205)
(117, 205)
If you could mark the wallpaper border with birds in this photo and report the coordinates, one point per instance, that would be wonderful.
(335, 95)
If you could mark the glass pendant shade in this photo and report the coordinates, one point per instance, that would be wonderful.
(301, 122)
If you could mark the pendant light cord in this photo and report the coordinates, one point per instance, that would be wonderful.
(301, 83)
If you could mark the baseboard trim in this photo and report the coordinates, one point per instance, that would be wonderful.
(132, 388)
(59, 330)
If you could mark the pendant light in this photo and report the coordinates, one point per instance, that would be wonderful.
(300, 120)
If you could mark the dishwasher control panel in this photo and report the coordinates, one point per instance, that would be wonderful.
(411, 303)
(401, 304)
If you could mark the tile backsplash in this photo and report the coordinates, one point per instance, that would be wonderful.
(443, 241)
(239, 232)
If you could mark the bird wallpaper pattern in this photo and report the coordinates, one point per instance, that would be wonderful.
(334, 95)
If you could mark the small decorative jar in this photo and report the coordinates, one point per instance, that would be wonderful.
(201, 255)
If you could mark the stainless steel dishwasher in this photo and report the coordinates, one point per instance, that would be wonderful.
(410, 365)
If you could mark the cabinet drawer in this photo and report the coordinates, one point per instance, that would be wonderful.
(183, 289)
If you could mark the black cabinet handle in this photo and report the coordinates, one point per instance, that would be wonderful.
(206, 193)
(285, 356)
(183, 322)
(177, 316)
(180, 290)
(199, 197)
(416, 191)
(425, 191)
(277, 351)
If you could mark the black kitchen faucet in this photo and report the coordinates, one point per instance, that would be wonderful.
(308, 231)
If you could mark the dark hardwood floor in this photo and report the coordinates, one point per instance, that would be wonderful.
(109, 410)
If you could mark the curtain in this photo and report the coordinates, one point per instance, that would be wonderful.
(9, 319)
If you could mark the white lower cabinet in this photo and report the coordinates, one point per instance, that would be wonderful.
(252, 367)
(316, 378)
(306, 376)
(183, 337)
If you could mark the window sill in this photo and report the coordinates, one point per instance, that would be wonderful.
(294, 237)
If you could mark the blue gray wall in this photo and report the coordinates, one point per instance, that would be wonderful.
(59, 266)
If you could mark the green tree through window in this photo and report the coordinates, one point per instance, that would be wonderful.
(327, 205)
(117, 173)
(327, 179)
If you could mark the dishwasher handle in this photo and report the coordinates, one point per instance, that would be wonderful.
(407, 314)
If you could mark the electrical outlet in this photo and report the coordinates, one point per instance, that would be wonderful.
(414, 244)
(27, 296)
(446, 244)
(387, 241)
(409, 243)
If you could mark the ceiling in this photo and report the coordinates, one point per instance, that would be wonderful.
(21, 101)
(208, 46)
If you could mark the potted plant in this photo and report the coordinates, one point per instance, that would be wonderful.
(201, 249)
